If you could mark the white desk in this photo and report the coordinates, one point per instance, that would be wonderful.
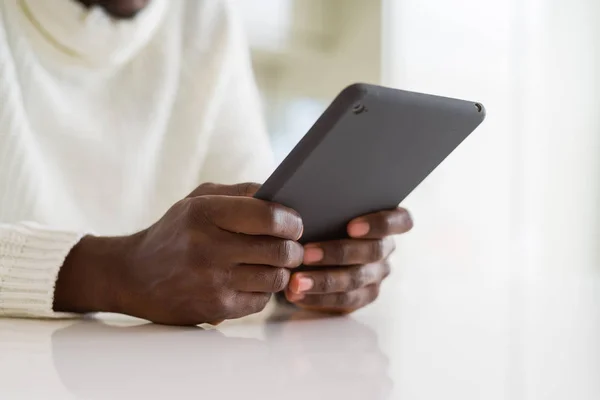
(425, 339)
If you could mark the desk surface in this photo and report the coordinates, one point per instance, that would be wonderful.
(425, 339)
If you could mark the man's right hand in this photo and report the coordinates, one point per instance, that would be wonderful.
(218, 254)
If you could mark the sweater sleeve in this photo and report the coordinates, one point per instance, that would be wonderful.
(30, 257)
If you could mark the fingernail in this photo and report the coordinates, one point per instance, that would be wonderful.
(359, 229)
(304, 284)
(313, 254)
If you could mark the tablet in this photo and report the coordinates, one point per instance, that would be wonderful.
(367, 152)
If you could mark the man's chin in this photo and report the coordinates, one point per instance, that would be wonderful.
(122, 9)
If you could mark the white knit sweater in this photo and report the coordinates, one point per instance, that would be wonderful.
(105, 124)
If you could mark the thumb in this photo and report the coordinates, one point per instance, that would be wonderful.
(241, 189)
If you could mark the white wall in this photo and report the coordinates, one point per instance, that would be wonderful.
(524, 188)
(509, 223)
(463, 211)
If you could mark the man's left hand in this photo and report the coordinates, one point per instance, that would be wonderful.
(346, 274)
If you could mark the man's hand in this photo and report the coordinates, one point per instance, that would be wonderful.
(346, 275)
(218, 254)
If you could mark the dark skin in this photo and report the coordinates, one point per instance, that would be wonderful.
(221, 254)
(118, 8)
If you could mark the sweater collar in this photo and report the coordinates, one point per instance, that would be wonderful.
(90, 37)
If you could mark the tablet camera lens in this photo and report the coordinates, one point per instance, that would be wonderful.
(359, 108)
(479, 107)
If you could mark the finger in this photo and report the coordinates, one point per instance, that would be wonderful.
(381, 224)
(259, 278)
(248, 216)
(243, 304)
(247, 189)
(338, 280)
(348, 251)
(340, 302)
(262, 250)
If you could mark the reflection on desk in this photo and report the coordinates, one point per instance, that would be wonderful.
(445, 338)
(96, 360)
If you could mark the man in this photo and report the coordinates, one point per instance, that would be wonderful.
(111, 111)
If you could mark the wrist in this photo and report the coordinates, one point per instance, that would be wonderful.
(87, 281)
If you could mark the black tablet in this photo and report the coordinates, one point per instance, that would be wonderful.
(367, 152)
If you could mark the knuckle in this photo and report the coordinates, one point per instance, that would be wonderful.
(287, 254)
(343, 300)
(387, 270)
(242, 189)
(283, 222)
(358, 278)
(355, 300)
(247, 189)
(202, 189)
(181, 205)
(377, 250)
(326, 283)
(280, 279)
(341, 253)
(207, 187)
(271, 212)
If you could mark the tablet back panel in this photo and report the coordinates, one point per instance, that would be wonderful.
(366, 153)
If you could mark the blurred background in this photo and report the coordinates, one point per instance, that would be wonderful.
(524, 188)
(507, 228)
(305, 52)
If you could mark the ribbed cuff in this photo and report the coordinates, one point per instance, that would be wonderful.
(30, 258)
